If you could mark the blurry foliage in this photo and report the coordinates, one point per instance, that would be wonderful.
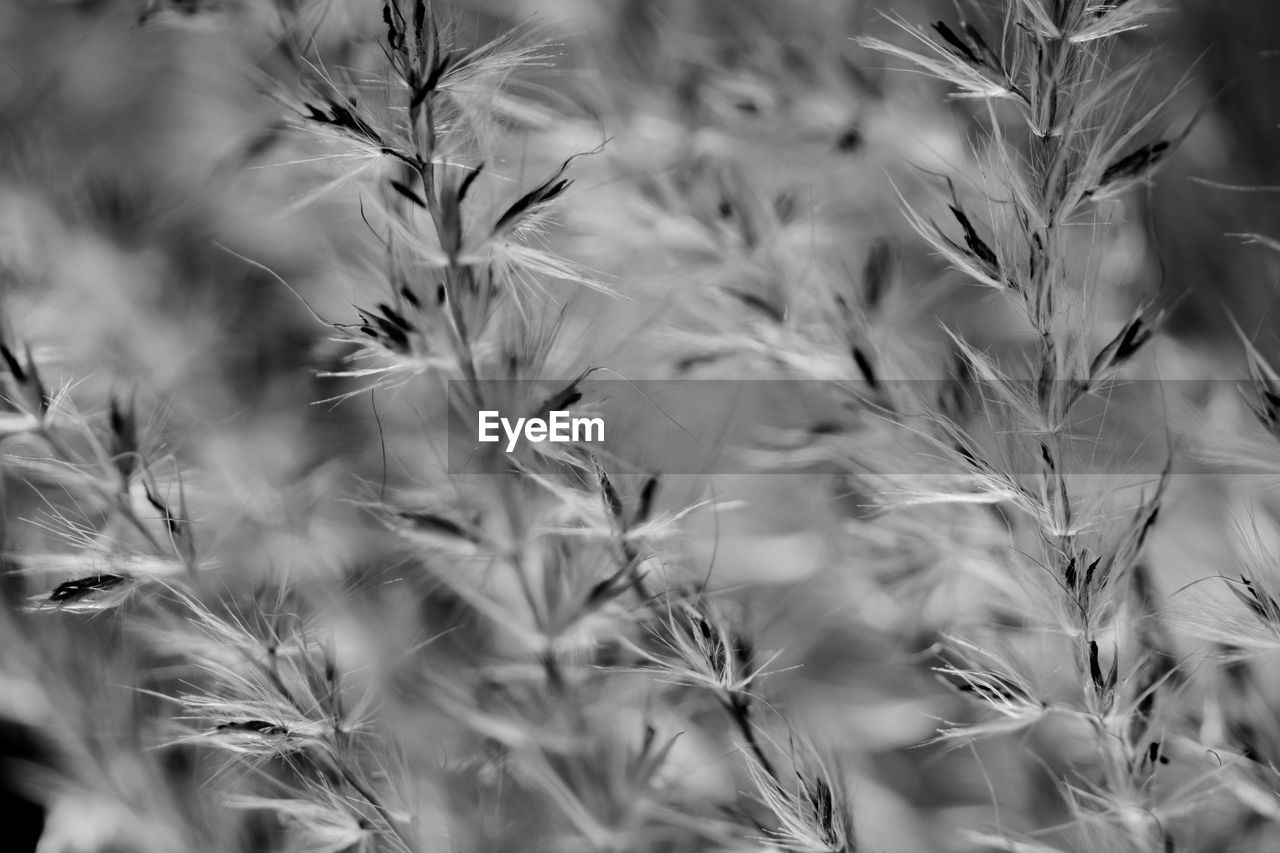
(242, 618)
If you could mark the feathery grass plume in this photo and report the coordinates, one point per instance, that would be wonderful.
(108, 516)
(265, 687)
(812, 811)
(430, 129)
(996, 683)
(323, 823)
(1249, 621)
(1071, 145)
(539, 548)
(693, 642)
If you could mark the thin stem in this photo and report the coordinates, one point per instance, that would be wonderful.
(739, 708)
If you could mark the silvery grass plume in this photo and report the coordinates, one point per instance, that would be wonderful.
(995, 682)
(811, 810)
(1086, 143)
(1246, 621)
(263, 685)
(123, 513)
(449, 269)
(550, 555)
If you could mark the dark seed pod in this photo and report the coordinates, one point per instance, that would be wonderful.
(261, 727)
(958, 45)
(976, 245)
(76, 589)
